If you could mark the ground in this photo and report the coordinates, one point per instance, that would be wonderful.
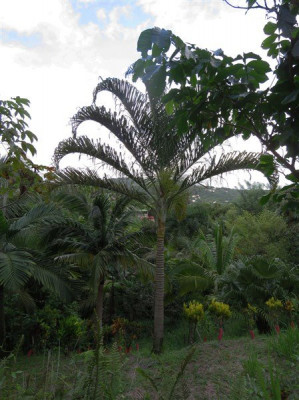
(215, 371)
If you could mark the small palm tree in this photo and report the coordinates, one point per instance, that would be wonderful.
(98, 239)
(162, 163)
(20, 258)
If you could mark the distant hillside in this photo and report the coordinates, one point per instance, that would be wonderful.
(212, 194)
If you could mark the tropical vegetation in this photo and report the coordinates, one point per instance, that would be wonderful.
(101, 267)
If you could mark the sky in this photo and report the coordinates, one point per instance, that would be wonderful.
(54, 51)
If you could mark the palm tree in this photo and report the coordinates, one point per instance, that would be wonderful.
(20, 258)
(98, 240)
(157, 166)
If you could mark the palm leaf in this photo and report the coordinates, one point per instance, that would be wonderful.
(135, 102)
(34, 216)
(50, 279)
(16, 267)
(73, 201)
(127, 134)
(88, 177)
(226, 163)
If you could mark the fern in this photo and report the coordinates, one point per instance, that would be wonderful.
(103, 378)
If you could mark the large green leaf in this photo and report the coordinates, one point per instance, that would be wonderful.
(16, 267)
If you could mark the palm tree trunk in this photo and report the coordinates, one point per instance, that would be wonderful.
(159, 289)
(2, 318)
(100, 302)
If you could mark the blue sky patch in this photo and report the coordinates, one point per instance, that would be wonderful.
(88, 12)
(10, 36)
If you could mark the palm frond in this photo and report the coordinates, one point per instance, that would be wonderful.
(226, 163)
(50, 278)
(88, 177)
(16, 267)
(73, 201)
(35, 215)
(121, 128)
(104, 153)
(26, 300)
(80, 258)
(135, 102)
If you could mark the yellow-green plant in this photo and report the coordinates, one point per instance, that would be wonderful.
(275, 306)
(194, 312)
(222, 312)
(251, 312)
(290, 308)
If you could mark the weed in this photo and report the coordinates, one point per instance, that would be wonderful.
(286, 344)
(179, 388)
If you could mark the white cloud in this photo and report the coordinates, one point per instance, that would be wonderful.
(59, 74)
(101, 14)
(86, 1)
(209, 23)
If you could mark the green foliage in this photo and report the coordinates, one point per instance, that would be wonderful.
(250, 198)
(13, 128)
(178, 388)
(203, 260)
(286, 344)
(102, 379)
(258, 383)
(95, 236)
(125, 332)
(255, 281)
(8, 373)
(264, 234)
(21, 261)
(48, 327)
(169, 164)
(225, 96)
(18, 173)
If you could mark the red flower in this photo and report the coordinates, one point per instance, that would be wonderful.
(251, 334)
(30, 352)
(220, 334)
(277, 328)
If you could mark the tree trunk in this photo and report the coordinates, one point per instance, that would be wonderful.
(100, 302)
(159, 289)
(2, 319)
(192, 328)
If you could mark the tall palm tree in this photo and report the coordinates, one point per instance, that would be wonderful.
(158, 166)
(97, 239)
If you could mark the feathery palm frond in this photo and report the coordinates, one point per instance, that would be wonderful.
(135, 102)
(16, 267)
(227, 163)
(90, 178)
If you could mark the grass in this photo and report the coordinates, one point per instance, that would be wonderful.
(216, 371)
